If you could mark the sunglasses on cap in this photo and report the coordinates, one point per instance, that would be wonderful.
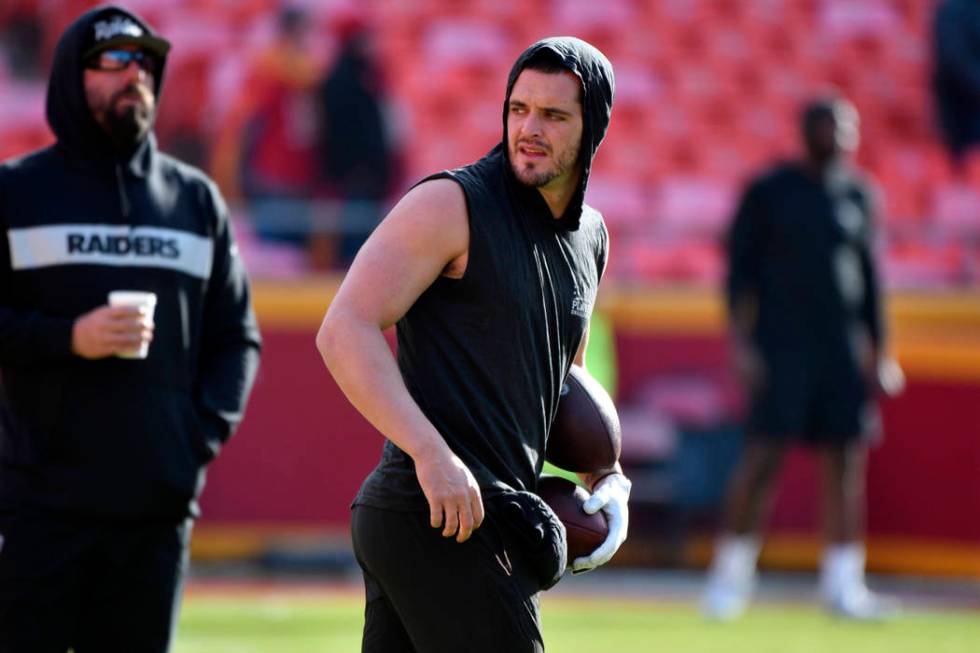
(115, 60)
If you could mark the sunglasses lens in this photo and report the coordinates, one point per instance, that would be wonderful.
(114, 60)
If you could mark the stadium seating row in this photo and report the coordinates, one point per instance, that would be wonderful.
(707, 94)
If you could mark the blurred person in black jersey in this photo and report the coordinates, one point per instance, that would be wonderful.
(357, 161)
(808, 342)
(956, 74)
(490, 272)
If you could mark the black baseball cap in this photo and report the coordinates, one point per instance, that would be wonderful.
(114, 27)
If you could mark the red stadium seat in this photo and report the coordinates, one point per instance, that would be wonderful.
(913, 263)
(695, 205)
(956, 210)
(21, 140)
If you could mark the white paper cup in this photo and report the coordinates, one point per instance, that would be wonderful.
(138, 299)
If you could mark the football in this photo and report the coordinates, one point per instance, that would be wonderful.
(585, 532)
(585, 435)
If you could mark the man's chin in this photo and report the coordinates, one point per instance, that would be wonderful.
(532, 178)
(128, 128)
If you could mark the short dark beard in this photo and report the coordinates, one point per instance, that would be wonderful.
(537, 179)
(129, 127)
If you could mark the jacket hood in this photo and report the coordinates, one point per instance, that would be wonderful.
(598, 88)
(67, 109)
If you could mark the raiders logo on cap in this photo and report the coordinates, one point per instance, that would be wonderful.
(114, 27)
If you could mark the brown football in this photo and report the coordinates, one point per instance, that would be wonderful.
(585, 532)
(585, 436)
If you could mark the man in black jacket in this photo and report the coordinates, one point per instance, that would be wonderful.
(490, 272)
(102, 457)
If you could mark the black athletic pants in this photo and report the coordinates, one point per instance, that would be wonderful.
(67, 581)
(430, 594)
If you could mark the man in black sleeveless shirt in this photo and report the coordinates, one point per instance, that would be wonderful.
(490, 272)
(809, 344)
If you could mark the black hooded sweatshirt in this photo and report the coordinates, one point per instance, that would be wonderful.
(115, 437)
(485, 356)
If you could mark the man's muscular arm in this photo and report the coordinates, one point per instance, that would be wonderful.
(424, 236)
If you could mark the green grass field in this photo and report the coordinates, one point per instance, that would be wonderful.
(283, 622)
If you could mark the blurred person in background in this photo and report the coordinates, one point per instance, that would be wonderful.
(956, 74)
(490, 272)
(357, 162)
(103, 453)
(21, 34)
(808, 343)
(266, 149)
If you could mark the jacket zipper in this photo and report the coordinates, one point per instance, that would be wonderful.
(123, 199)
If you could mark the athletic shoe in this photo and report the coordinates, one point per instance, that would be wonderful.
(859, 603)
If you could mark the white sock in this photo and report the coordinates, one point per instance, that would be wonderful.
(735, 557)
(842, 567)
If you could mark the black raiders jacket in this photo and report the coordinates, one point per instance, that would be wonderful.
(115, 437)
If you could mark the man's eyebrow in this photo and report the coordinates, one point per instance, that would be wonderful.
(556, 110)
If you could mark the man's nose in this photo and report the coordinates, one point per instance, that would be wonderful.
(134, 70)
(531, 125)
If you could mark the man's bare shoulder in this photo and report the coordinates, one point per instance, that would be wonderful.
(427, 227)
(441, 197)
(432, 219)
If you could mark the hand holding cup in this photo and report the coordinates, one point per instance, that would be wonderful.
(123, 328)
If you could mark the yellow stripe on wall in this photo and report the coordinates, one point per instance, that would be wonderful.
(935, 336)
(293, 305)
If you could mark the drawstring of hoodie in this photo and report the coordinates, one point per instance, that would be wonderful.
(121, 186)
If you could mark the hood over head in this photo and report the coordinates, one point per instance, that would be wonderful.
(67, 108)
(592, 67)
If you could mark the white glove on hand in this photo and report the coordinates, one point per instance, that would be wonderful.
(611, 496)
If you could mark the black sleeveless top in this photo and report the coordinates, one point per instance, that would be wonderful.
(485, 356)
